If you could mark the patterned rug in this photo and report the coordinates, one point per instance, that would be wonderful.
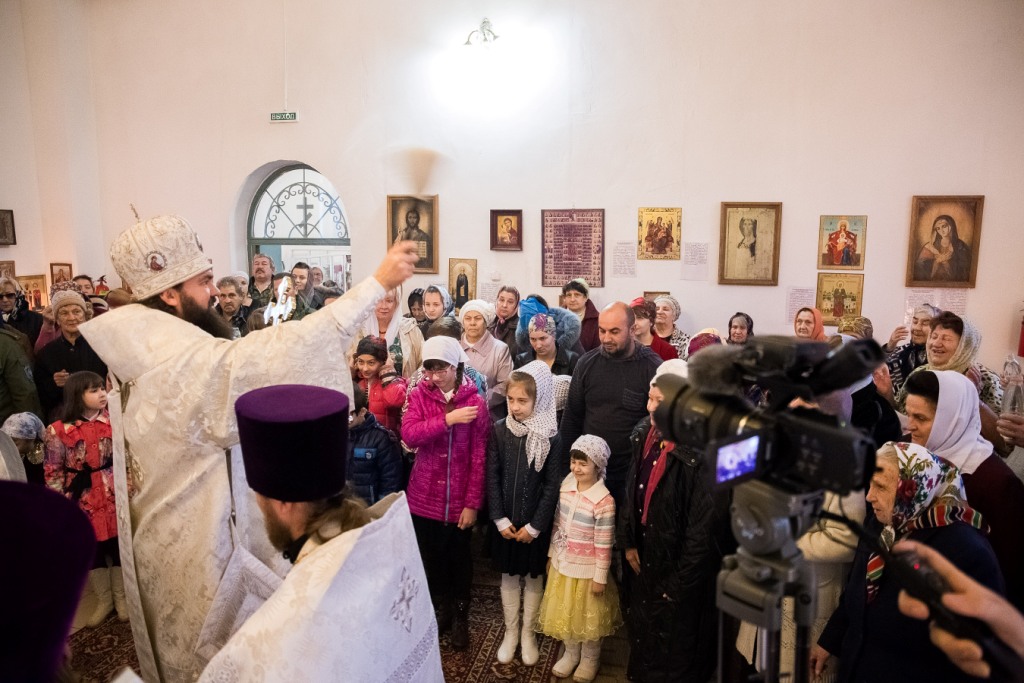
(100, 653)
(479, 662)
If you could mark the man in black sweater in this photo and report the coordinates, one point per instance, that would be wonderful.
(608, 394)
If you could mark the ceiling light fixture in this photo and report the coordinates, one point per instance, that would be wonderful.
(483, 35)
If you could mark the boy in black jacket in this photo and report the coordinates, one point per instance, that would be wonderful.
(374, 455)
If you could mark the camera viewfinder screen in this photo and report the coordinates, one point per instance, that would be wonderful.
(736, 459)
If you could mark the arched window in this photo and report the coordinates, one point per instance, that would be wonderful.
(296, 215)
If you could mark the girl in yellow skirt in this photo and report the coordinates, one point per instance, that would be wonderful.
(581, 605)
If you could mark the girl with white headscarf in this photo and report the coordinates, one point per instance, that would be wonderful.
(942, 408)
(437, 303)
(522, 491)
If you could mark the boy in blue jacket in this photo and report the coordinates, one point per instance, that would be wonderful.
(374, 455)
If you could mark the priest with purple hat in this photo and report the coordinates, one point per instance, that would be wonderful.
(48, 547)
(355, 604)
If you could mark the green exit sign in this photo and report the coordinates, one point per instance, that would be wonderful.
(282, 116)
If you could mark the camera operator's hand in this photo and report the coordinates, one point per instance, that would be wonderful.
(633, 557)
(819, 657)
(970, 598)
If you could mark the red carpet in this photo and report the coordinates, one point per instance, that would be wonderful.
(102, 652)
(479, 663)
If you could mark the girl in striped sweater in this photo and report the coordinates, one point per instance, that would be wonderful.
(581, 605)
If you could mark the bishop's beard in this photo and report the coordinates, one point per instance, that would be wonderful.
(205, 318)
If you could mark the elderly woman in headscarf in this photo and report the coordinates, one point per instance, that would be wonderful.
(953, 344)
(808, 325)
(942, 411)
(903, 360)
(576, 297)
(666, 313)
(741, 328)
(28, 432)
(437, 303)
(550, 337)
(490, 357)
(919, 496)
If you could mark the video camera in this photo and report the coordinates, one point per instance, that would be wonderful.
(797, 450)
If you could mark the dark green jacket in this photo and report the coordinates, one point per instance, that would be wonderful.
(17, 387)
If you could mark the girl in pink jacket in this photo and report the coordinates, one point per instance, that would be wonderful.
(447, 422)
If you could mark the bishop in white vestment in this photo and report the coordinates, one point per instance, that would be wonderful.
(191, 575)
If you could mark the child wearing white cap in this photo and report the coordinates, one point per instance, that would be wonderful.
(447, 421)
(581, 604)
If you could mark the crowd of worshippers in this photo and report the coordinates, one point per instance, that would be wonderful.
(533, 423)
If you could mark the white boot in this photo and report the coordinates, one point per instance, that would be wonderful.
(99, 584)
(590, 662)
(531, 607)
(117, 588)
(564, 667)
(510, 606)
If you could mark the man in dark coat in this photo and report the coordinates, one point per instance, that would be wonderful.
(608, 394)
(674, 529)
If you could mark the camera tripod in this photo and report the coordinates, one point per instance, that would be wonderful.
(766, 568)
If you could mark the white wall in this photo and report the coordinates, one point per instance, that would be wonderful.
(827, 106)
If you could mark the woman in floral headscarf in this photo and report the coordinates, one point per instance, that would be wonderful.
(667, 312)
(915, 495)
(27, 431)
(550, 337)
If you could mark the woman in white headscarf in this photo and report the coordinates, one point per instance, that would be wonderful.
(953, 344)
(401, 335)
(489, 356)
(942, 408)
